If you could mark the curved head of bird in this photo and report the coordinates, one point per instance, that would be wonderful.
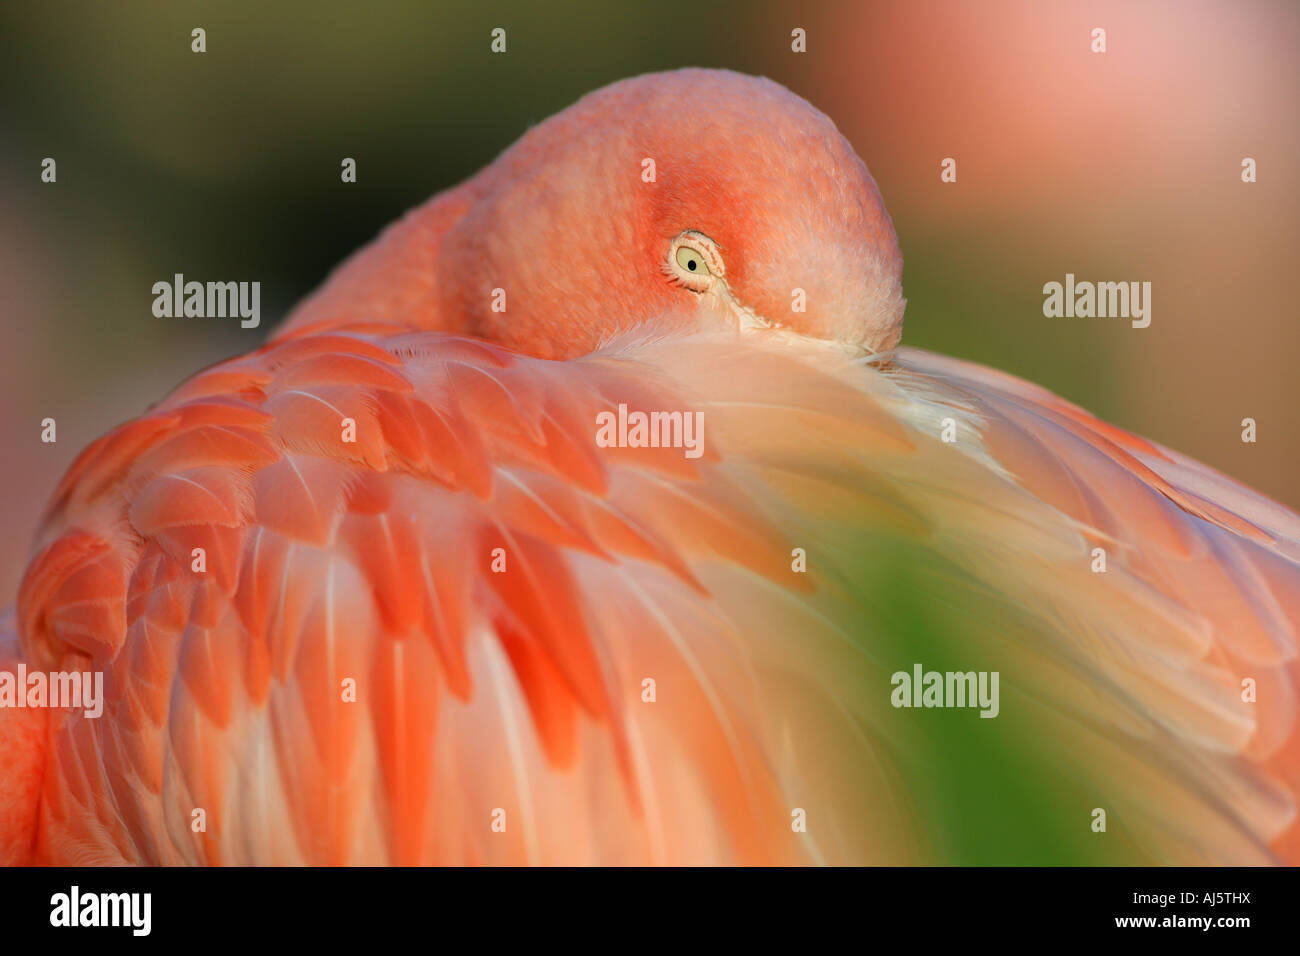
(704, 195)
(697, 197)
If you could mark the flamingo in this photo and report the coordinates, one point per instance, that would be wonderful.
(375, 593)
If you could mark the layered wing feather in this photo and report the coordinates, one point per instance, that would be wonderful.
(369, 596)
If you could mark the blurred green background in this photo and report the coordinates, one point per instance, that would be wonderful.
(225, 165)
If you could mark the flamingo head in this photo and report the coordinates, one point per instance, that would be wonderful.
(703, 197)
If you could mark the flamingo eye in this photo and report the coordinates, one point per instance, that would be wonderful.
(691, 261)
(694, 262)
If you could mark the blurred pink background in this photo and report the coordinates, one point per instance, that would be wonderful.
(1124, 165)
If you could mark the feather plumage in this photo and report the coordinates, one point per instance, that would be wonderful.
(521, 690)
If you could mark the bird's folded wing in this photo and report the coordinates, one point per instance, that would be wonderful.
(365, 596)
